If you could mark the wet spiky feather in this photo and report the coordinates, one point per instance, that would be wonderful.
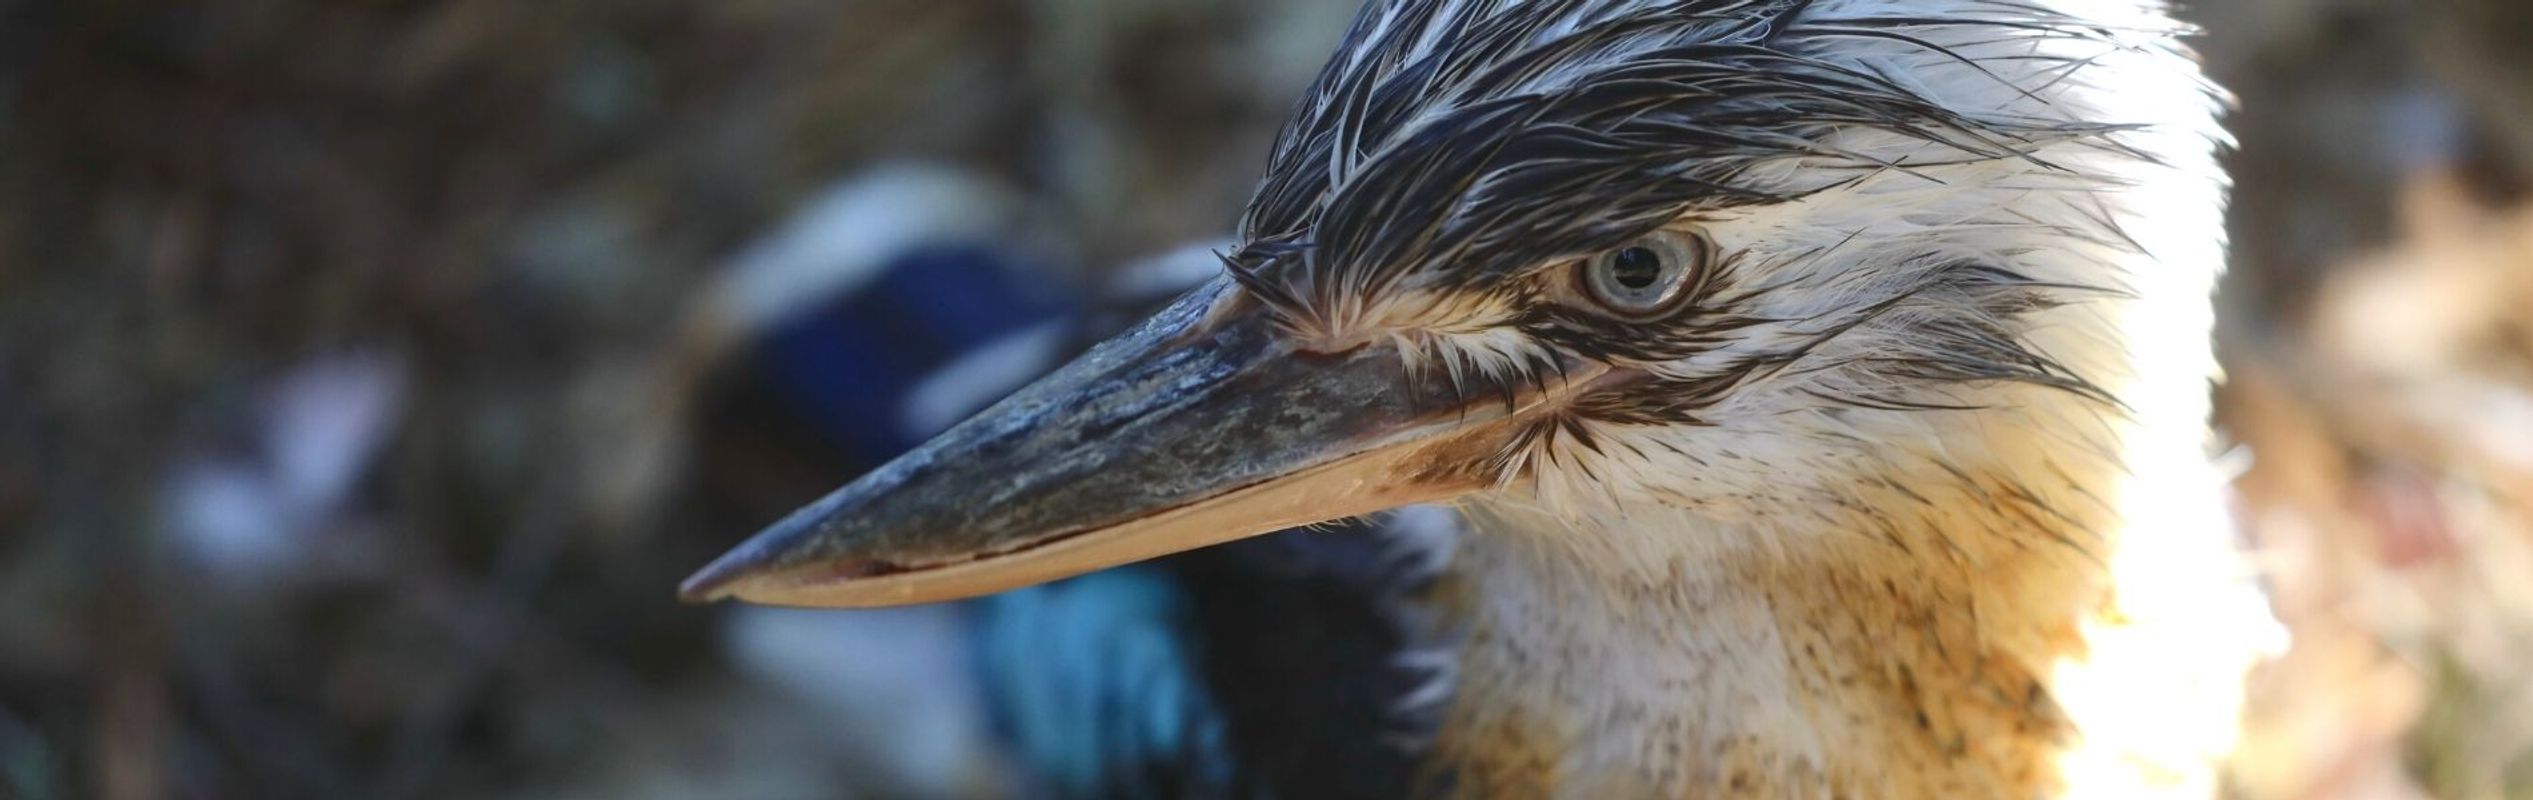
(1469, 140)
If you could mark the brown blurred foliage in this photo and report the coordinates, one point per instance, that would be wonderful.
(509, 205)
(2380, 379)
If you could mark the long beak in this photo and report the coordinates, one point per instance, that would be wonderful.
(1200, 427)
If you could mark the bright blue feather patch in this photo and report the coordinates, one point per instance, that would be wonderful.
(1095, 681)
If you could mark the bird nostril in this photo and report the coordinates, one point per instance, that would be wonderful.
(1332, 347)
(1331, 351)
(854, 569)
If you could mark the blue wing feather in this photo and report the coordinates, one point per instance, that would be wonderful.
(1264, 668)
(1094, 681)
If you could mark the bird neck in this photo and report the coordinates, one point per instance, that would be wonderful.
(1971, 635)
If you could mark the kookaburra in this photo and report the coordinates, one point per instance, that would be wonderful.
(1821, 385)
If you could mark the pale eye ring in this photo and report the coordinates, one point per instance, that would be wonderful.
(1645, 277)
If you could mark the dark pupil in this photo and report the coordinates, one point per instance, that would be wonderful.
(1637, 267)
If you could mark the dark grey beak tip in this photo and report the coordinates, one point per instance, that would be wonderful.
(769, 554)
(770, 550)
(720, 579)
(712, 584)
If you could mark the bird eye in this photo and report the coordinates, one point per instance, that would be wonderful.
(1644, 277)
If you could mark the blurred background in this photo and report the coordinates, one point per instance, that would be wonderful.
(372, 370)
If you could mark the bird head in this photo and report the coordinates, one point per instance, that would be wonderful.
(1601, 256)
